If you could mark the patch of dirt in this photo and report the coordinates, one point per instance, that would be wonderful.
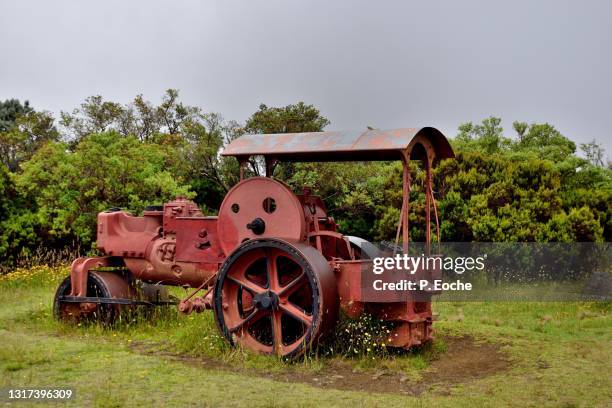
(465, 360)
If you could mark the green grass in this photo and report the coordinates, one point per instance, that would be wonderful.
(560, 356)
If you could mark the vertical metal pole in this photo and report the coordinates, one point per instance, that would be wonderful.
(270, 164)
(435, 207)
(242, 164)
(318, 242)
(402, 224)
(428, 190)
(406, 192)
(405, 223)
(428, 200)
(399, 226)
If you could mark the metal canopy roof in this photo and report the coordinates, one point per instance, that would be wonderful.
(338, 146)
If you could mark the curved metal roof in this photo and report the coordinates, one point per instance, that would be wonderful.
(338, 146)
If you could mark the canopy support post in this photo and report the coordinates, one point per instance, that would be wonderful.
(270, 165)
(403, 223)
(243, 162)
(428, 190)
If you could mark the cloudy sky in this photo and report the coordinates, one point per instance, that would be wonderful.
(381, 63)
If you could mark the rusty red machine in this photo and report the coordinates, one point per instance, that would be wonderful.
(272, 265)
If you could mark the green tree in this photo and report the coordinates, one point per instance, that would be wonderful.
(594, 153)
(580, 225)
(10, 110)
(190, 138)
(486, 136)
(139, 118)
(95, 115)
(209, 174)
(521, 128)
(27, 134)
(294, 118)
(18, 231)
(352, 192)
(69, 189)
(544, 140)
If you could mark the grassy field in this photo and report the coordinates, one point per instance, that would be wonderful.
(487, 354)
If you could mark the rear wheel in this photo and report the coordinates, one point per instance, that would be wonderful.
(99, 285)
(274, 297)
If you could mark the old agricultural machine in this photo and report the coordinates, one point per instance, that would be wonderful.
(272, 265)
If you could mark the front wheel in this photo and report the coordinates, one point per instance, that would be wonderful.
(275, 297)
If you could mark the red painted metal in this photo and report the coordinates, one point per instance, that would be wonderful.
(260, 198)
(271, 255)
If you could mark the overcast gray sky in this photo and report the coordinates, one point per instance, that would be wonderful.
(382, 63)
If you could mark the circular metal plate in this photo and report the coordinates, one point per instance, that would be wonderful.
(259, 198)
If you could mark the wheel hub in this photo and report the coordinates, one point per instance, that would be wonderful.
(266, 301)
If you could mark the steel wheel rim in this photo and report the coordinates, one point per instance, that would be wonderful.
(275, 314)
(71, 311)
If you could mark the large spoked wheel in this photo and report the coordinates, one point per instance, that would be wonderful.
(275, 297)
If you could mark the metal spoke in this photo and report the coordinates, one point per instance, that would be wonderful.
(277, 332)
(248, 285)
(296, 313)
(272, 270)
(248, 321)
(292, 286)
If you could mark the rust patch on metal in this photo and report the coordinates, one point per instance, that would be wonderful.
(338, 145)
